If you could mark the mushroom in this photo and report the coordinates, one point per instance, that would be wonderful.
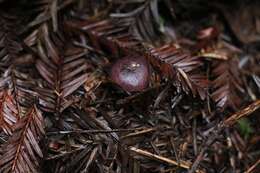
(130, 73)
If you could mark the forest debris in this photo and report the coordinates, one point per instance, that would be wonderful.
(182, 164)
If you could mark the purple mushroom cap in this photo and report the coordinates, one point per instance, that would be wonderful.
(131, 73)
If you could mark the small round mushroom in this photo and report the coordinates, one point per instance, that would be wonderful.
(131, 73)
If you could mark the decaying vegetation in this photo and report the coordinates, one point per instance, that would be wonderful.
(62, 111)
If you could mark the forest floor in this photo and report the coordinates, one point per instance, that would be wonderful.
(129, 86)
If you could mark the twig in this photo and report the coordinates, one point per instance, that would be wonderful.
(257, 163)
(92, 131)
(139, 133)
(242, 113)
(182, 164)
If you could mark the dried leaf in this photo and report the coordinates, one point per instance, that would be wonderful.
(22, 152)
(64, 71)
